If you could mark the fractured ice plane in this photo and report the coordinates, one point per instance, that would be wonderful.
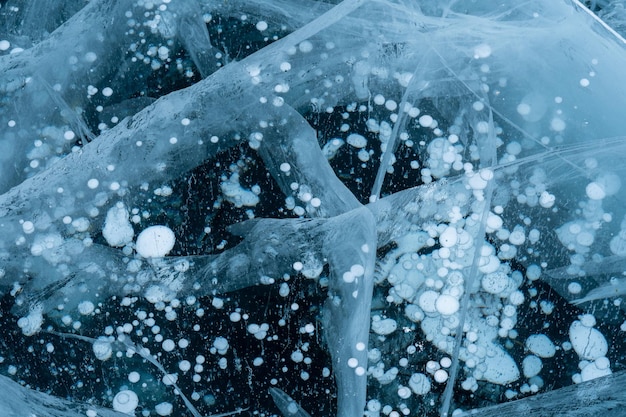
(359, 207)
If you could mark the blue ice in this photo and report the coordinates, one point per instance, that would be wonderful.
(447, 177)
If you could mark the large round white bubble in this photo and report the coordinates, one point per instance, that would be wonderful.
(125, 402)
(155, 242)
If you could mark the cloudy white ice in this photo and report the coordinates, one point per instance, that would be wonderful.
(278, 207)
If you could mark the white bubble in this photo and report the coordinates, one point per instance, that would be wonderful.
(155, 242)
(356, 140)
(419, 384)
(595, 191)
(426, 120)
(523, 109)
(482, 51)
(93, 183)
(85, 308)
(391, 105)
(574, 288)
(305, 46)
(541, 345)
(125, 401)
(168, 345)
(440, 376)
(447, 304)
(164, 409)
(557, 124)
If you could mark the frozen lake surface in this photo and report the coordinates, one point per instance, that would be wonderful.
(327, 208)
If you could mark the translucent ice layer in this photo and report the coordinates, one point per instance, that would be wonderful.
(313, 208)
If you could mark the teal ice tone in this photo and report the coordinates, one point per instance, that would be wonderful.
(312, 208)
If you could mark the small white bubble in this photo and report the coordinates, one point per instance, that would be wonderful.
(93, 183)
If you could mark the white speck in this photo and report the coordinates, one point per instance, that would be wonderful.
(584, 82)
(4, 45)
(107, 91)
(261, 26)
